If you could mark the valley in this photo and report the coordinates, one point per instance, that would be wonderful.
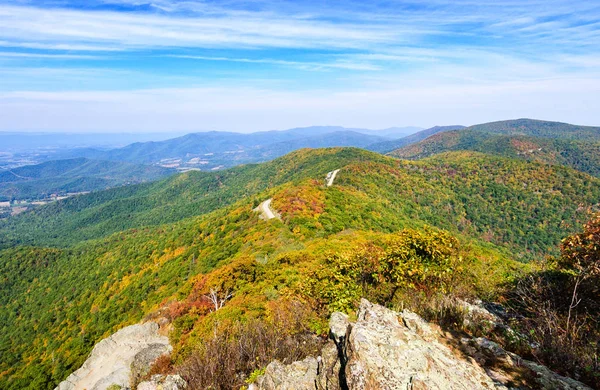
(16, 207)
(288, 241)
(299, 195)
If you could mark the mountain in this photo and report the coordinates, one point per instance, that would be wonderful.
(71, 176)
(555, 143)
(195, 193)
(387, 146)
(196, 258)
(20, 141)
(391, 132)
(175, 198)
(217, 150)
(580, 155)
(334, 139)
(542, 129)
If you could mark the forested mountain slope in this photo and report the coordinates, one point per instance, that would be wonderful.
(60, 301)
(170, 200)
(387, 146)
(538, 128)
(581, 155)
(226, 149)
(73, 175)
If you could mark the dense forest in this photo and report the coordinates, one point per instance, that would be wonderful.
(77, 270)
(581, 155)
(60, 177)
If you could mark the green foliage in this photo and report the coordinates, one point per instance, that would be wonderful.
(580, 155)
(197, 231)
(558, 307)
(75, 175)
(423, 260)
(179, 197)
(543, 129)
(254, 375)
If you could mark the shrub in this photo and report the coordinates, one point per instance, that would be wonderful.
(423, 260)
(559, 307)
(231, 357)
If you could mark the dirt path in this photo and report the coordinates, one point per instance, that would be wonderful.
(265, 210)
(331, 177)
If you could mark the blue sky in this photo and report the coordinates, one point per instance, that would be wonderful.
(162, 65)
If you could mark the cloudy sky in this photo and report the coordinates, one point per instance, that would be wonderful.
(190, 65)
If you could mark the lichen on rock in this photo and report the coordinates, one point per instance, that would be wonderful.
(114, 359)
(386, 350)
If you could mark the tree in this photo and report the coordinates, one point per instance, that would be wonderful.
(218, 298)
(580, 255)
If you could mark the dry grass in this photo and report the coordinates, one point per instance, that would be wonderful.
(227, 359)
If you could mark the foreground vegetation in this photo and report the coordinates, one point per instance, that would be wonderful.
(397, 232)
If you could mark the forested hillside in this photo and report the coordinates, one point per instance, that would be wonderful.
(74, 175)
(543, 129)
(581, 155)
(388, 146)
(178, 197)
(495, 214)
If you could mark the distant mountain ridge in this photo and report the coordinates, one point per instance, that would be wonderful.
(553, 143)
(540, 128)
(388, 146)
(73, 175)
(215, 149)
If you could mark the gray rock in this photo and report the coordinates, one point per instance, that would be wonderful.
(384, 353)
(385, 350)
(110, 361)
(505, 362)
(338, 326)
(161, 382)
(330, 367)
(296, 376)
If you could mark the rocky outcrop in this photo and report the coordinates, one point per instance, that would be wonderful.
(119, 359)
(390, 351)
(296, 376)
(508, 368)
(162, 382)
(384, 349)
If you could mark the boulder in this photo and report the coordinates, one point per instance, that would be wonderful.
(111, 361)
(383, 352)
(338, 326)
(512, 370)
(386, 350)
(162, 382)
(331, 368)
(300, 375)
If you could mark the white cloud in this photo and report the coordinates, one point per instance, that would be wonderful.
(19, 55)
(72, 27)
(245, 109)
(305, 65)
(388, 63)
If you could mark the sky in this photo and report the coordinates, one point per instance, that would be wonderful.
(187, 65)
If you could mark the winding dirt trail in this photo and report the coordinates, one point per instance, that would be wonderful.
(331, 177)
(265, 210)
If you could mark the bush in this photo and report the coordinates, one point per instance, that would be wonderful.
(236, 354)
(423, 260)
(559, 307)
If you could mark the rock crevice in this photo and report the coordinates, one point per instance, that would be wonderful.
(387, 350)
